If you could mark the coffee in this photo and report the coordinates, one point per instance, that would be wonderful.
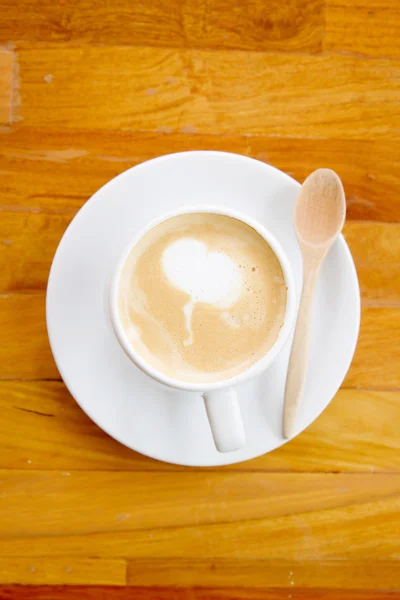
(202, 297)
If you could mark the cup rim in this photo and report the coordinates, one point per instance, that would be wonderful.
(255, 369)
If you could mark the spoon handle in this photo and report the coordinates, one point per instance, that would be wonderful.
(296, 375)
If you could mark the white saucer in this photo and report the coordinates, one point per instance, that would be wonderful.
(140, 413)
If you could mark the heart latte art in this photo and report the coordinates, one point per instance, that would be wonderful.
(207, 277)
(202, 297)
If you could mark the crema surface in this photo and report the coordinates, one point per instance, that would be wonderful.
(202, 297)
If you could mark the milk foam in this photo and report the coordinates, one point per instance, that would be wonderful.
(209, 277)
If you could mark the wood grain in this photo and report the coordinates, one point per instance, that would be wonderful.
(6, 72)
(202, 514)
(66, 571)
(172, 593)
(24, 347)
(376, 23)
(28, 242)
(254, 573)
(376, 252)
(293, 26)
(376, 362)
(25, 351)
(367, 168)
(45, 429)
(212, 92)
(62, 171)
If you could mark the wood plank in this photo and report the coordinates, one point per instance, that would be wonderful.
(6, 71)
(22, 322)
(376, 362)
(28, 242)
(24, 347)
(44, 428)
(63, 571)
(365, 28)
(168, 593)
(293, 27)
(216, 573)
(203, 514)
(237, 573)
(61, 171)
(212, 92)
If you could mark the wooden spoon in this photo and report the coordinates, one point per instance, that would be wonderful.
(319, 218)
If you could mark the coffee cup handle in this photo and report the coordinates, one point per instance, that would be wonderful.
(225, 420)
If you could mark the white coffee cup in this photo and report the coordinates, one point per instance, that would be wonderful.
(221, 399)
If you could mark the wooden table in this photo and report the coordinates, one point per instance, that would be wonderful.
(88, 89)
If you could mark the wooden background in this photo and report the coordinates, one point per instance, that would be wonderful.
(89, 88)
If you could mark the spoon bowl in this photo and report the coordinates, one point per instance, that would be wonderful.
(320, 209)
